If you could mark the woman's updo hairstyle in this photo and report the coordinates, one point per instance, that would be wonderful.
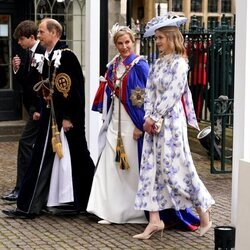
(118, 31)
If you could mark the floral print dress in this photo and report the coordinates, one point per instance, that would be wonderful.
(168, 178)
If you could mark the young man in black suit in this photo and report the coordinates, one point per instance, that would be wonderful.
(27, 75)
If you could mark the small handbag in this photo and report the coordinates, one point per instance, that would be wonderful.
(158, 125)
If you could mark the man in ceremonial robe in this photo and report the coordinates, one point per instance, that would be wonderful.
(63, 91)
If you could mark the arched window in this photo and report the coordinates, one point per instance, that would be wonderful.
(71, 15)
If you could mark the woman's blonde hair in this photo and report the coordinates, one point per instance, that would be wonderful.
(123, 30)
(175, 39)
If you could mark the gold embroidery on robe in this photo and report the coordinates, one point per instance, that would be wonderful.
(63, 83)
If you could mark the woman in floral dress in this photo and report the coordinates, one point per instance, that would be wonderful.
(168, 178)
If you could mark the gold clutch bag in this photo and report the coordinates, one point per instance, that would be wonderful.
(158, 125)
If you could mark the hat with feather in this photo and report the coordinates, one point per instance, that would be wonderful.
(162, 21)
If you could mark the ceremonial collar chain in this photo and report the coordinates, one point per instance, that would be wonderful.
(114, 71)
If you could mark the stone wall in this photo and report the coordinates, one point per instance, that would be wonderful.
(115, 16)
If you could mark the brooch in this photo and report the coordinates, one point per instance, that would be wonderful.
(63, 83)
(137, 96)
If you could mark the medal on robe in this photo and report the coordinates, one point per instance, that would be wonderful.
(137, 96)
(63, 83)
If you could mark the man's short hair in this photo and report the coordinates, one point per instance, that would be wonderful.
(26, 28)
(53, 24)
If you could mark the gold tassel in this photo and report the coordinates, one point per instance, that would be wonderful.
(123, 159)
(118, 149)
(53, 140)
(58, 145)
(56, 140)
(121, 156)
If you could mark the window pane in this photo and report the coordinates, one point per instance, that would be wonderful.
(196, 5)
(199, 18)
(226, 6)
(196, 21)
(5, 66)
(228, 21)
(177, 5)
(213, 6)
(161, 9)
(4, 30)
(212, 22)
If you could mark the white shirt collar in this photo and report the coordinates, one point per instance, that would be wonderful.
(33, 49)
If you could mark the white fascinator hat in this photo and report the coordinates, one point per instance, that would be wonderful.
(117, 28)
(161, 21)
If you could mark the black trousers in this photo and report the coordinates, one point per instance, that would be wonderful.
(25, 148)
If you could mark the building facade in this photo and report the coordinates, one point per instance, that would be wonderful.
(72, 15)
(206, 11)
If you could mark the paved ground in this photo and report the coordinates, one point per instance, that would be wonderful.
(82, 232)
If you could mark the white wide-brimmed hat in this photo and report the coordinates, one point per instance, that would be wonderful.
(162, 21)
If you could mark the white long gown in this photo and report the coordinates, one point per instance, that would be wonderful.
(113, 190)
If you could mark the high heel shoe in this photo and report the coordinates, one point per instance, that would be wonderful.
(152, 228)
(204, 229)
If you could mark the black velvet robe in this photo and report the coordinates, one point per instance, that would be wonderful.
(34, 189)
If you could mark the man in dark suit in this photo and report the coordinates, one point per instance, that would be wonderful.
(27, 75)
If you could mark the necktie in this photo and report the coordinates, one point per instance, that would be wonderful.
(30, 58)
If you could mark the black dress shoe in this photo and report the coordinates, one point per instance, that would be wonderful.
(62, 210)
(15, 213)
(12, 196)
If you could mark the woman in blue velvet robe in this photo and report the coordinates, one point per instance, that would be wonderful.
(120, 99)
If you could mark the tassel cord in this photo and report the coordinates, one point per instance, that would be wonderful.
(56, 140)
(121, 156)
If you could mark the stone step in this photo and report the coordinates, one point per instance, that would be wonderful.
(11, 130)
